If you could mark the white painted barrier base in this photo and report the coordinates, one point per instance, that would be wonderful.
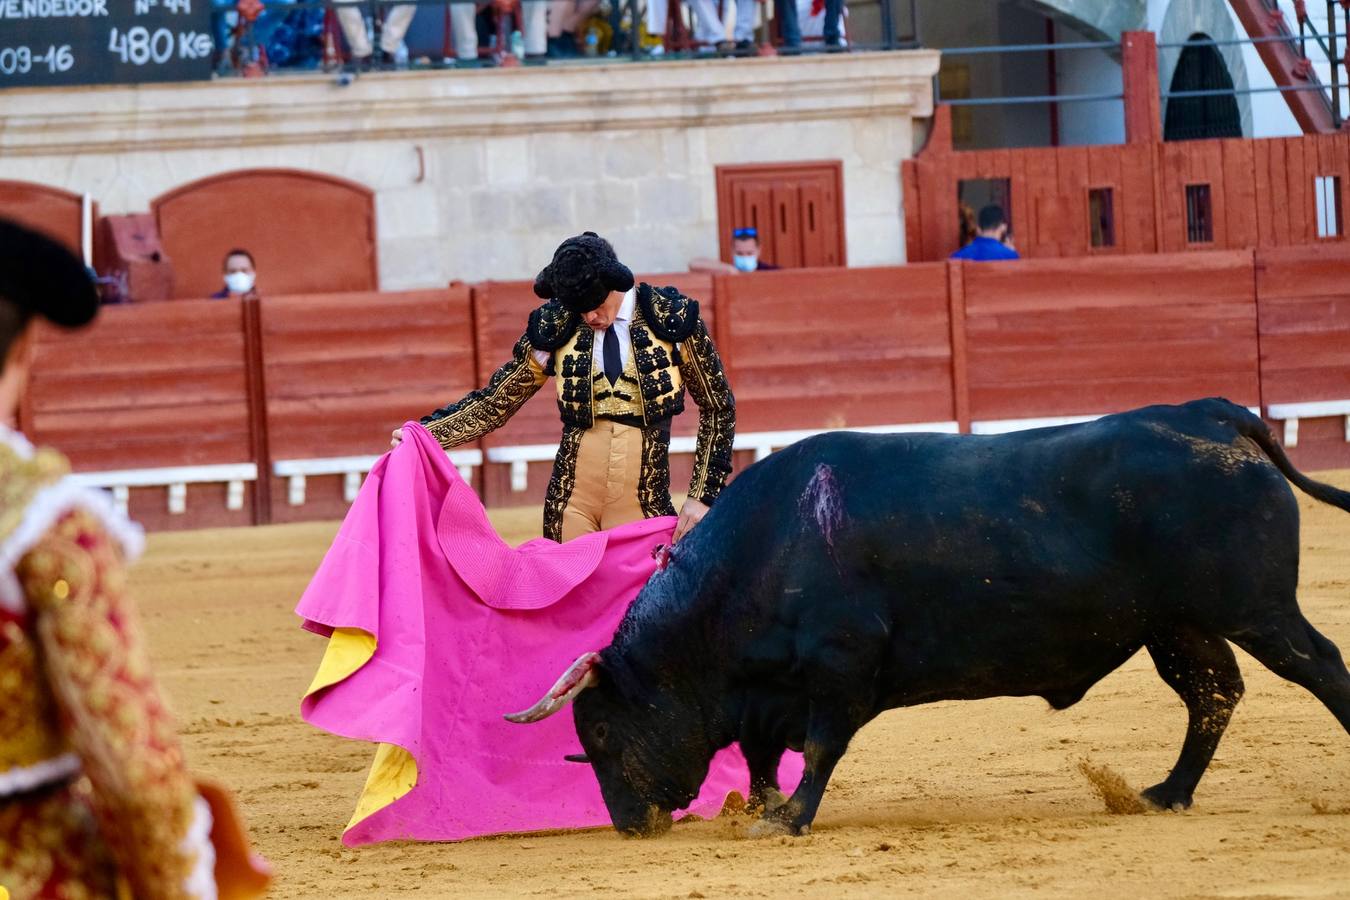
(175, 479)
(352, 469)
(1290, 413)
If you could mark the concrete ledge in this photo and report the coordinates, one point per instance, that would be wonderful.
(309, 109)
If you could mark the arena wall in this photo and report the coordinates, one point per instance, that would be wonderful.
(1262, 193)
(183, 397)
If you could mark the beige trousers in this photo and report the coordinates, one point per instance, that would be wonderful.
(609, 464)
(396, 22)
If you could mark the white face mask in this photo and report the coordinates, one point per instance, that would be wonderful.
(239, 282)
(745, 262)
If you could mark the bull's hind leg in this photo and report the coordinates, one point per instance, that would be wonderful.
(1292, 648)
(1202, 669)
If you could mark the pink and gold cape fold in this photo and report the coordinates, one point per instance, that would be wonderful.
(437, 628)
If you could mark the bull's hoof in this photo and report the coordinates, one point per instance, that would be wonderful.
(769, 828)
(773, 826)
(1161, 796)
(767, 802)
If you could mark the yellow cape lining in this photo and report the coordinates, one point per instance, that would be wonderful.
(394, 771)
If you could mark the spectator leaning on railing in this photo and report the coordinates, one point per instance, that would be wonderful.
(396, 22)
(565, 19)
(709, 32)
(534, 28)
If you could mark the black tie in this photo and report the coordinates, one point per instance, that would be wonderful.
(613, 365)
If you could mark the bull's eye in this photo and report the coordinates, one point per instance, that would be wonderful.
(600, 732)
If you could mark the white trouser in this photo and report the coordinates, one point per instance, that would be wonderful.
(396, 22)
(534, 29)
(708, 28)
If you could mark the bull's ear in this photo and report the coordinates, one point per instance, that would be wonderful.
(578, 757)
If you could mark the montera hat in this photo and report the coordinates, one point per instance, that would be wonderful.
(583, 273)
(41, 277)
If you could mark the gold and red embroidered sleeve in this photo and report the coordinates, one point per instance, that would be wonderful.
(109, 703)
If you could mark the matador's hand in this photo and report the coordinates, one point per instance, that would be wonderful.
(396, 438)
(690, 515)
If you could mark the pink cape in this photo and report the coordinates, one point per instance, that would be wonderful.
(466, 629)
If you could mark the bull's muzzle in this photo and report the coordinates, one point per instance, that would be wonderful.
(654, 822)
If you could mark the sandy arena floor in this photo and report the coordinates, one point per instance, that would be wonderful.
(950, 800)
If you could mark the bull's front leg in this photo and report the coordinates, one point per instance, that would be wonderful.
(831, 726)
(762, 758)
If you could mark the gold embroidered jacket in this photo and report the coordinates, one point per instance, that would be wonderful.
(95, 800)
(672, 351)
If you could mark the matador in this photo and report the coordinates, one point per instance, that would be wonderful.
(623, 355)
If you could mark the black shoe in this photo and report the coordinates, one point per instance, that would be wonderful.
(745, 48)
(358, 65)
(388, 62)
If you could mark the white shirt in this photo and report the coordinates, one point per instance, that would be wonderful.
(621, 322)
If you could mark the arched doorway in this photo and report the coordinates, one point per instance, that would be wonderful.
(1201, 68)
(309, 232)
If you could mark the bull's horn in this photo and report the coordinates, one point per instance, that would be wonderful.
(577, 757)
(576, 679)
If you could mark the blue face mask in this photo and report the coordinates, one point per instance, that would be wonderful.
(745, 262)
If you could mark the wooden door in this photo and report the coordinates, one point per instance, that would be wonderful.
(798, 209)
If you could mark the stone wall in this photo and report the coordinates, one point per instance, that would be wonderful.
(478, 174)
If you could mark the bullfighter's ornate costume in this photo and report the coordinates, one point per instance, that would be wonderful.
(94, 797)
(612, 465)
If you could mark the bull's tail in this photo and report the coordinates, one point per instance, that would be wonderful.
(1253, 428)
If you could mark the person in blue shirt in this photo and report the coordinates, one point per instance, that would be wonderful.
(990, 234)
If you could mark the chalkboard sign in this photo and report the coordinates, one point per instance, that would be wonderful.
(49, 42)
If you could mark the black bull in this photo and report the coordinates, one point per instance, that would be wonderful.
(850, 574)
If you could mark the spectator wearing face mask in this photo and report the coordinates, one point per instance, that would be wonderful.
(240, 276)
(744, 255)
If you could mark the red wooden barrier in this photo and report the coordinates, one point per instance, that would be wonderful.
(47, 209)
(169, 384)
(500, 312)
(1304, 304)
(831, 348)
(1084, 337)
(343, 370)
(148, 386)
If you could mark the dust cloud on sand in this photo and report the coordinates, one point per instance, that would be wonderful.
(1116, 793)
(949, 800)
